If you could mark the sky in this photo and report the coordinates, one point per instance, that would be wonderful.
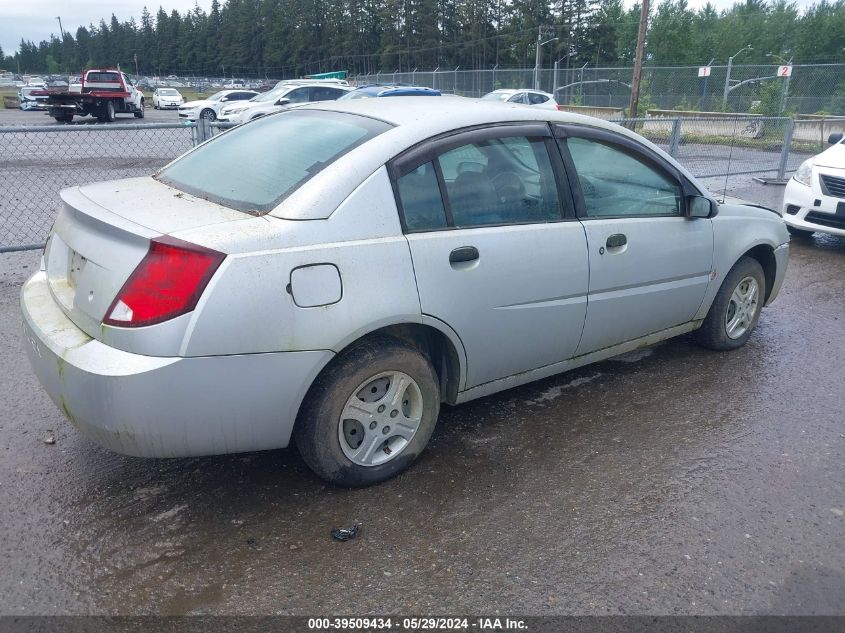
(36, 19)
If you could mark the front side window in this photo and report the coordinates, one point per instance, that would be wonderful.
(519, 97)
(615, 183)
(300, 95)
(252, 168)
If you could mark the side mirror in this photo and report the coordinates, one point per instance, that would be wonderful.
(834, 138)
(283, 101)
(701, 207)
(224, 99)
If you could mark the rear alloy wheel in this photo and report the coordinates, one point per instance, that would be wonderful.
(369, 414)
(208, 114)
(798, 232)
(736, 308)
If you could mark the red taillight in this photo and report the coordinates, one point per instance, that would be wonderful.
(559, 107)
(167, 283)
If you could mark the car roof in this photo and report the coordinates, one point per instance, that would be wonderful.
(415, 119)
(398, 90)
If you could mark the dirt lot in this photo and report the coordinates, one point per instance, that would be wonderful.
(670, 480)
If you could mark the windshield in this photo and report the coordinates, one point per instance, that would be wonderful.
(252, 168)
(358, 94)
(270, 95)
(497, 96)
(168, 92)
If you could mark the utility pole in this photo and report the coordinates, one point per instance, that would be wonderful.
(541, 31)
(638, 61)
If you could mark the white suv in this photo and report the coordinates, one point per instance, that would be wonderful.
(279, 98)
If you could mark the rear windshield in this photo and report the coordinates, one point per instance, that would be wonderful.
(102, 77)
(253, 167)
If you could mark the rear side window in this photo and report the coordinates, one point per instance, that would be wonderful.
(498, 181)
(422, 204)
(325, 94)
(501, 181)
(536, 98)
(253, 167)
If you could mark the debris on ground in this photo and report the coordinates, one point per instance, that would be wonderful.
(344, 534)
(49, 437)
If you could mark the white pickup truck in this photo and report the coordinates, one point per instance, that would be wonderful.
(104, 92)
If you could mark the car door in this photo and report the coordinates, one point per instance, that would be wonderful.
(497, 253)
(650, 265)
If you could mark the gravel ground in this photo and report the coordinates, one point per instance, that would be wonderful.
(672, 480)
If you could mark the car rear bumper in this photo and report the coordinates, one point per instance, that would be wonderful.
(800, 210)
(163, 407)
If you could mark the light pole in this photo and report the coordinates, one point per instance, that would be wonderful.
(537, 57)
(747, 47)
(786, 83)
(554, 75)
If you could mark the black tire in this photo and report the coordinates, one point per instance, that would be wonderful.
(798, 232)
(713, 332)
(106, 114)
(64, 117)
(139, 114)
(319, 425)
(208, 114)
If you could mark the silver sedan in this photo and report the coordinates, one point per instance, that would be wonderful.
(335, 272)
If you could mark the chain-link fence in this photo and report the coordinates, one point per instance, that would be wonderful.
(809, 89)
(36, 162)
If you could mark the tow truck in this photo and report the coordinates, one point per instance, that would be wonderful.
(104, 92)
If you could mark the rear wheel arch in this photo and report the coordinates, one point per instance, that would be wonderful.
(435, 340)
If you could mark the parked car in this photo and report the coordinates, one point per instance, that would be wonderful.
(210, 107)
(32, 98)
(335, 271)
(526, 97)
(279, 98)
(368, 92)
(167, 98)
(814, 199)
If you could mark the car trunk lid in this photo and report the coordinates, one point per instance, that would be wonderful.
(102, 233)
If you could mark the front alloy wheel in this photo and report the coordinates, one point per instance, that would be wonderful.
(742, 308)
(736, 308)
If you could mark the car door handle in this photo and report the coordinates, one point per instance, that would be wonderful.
(616, 240)
(463, 254)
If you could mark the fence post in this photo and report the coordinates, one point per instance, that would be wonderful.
(203, 130)
(787, 145)
(675, 138)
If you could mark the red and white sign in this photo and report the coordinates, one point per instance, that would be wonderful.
(784, 71)
(704, 71)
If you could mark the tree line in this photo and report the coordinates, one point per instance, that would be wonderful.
(285, 38)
